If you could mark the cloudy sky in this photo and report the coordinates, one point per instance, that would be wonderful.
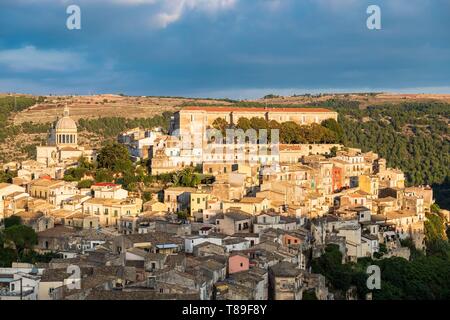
(223, 48)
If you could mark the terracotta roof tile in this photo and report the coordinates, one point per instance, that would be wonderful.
(237, 109)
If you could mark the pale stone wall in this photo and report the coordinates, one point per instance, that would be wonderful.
(187, 119)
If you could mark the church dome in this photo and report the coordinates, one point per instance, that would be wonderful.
(66, 123)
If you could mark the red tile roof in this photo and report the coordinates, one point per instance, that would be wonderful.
(105, 184)
(237, 109)
(290, 147)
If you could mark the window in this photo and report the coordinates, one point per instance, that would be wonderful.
(241, 264)
(13, 287)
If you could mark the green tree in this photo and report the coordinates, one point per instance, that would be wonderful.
(146, 196)
(309, 295)
(21, 237)
(69, 178)
(333, 152)
(290, 133)
(335, 127)
(244, 124)
(434, 228)
(85, 164)
(7, 176)
(435, 208)
(84, 184)
(258, 123)
(330, 265)
(13, 221)
(274, 124)
(7, 257)
(186, 178)
(104, 175)
(114, 157)
(220, 124)
(183, 215)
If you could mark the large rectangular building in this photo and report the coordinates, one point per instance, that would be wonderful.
(198, 119)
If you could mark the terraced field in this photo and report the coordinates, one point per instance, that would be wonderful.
(88, 107)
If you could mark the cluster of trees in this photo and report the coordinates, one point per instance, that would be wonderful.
(188, 177)
(411, 136)
(329, 131)
(340, 276)
(7, 176)
(425, 276)
(113, 164)
(435, 229)
(17, 242)
(110, 127)
(9, 104)
(30, 127)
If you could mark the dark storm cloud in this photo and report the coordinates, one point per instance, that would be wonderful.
(235, 48)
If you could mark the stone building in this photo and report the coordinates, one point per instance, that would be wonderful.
(62, 145)
(198, 119)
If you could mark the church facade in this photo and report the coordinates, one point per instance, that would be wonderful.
(62, 146)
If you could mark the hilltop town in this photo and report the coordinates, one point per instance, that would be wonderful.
(185, 212)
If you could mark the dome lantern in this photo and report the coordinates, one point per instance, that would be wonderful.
(66, 130)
